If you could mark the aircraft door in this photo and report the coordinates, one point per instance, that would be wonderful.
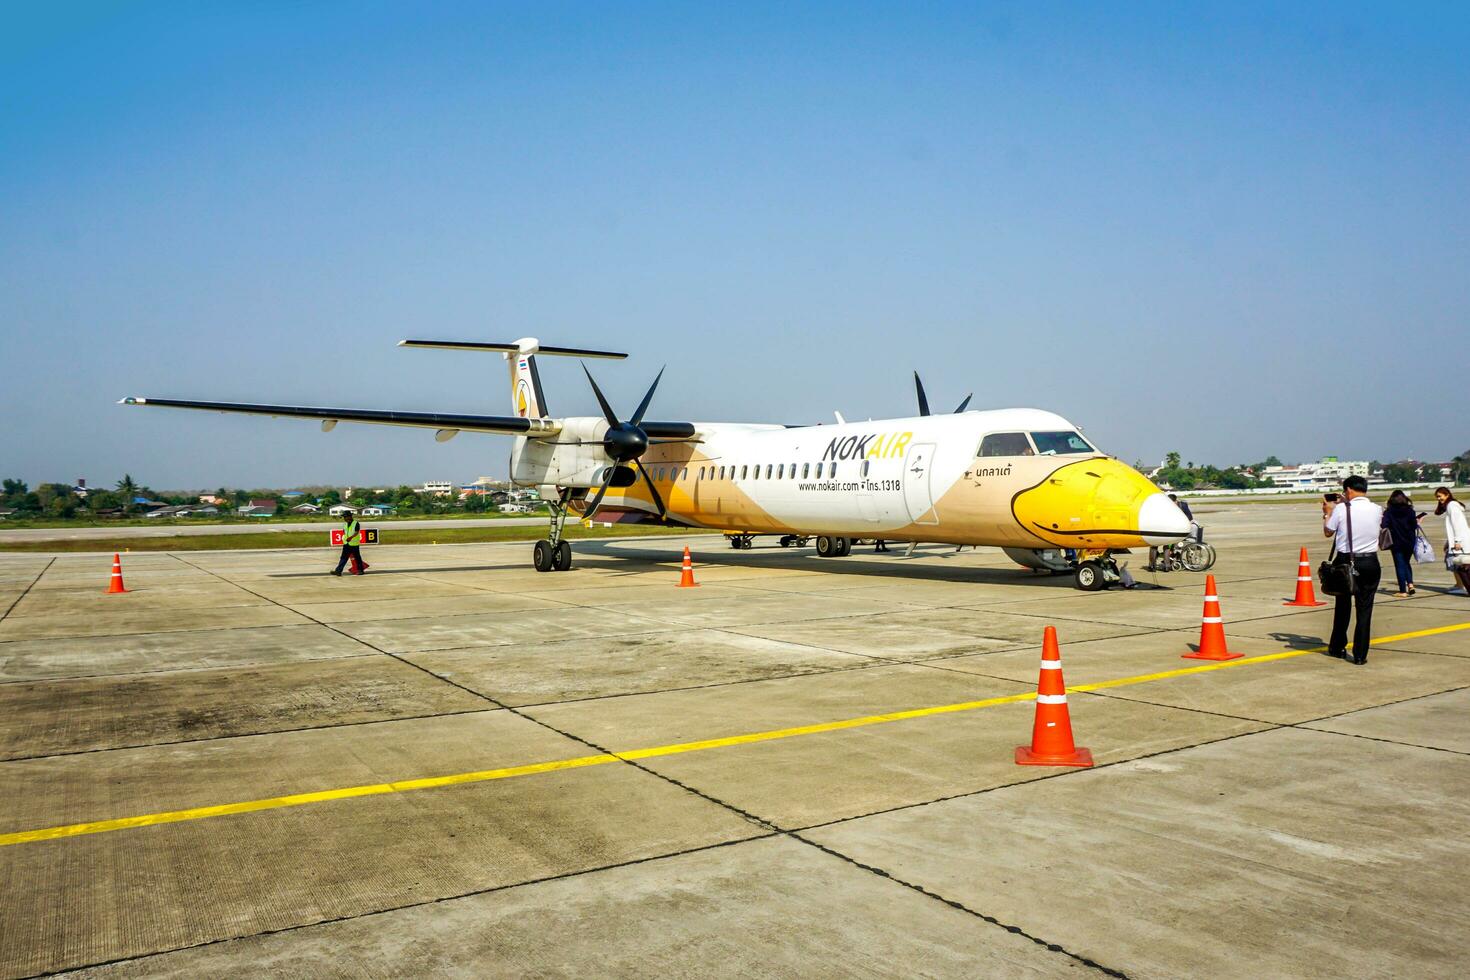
(917, 494)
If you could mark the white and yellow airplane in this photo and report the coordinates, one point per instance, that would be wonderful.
(1020, 479)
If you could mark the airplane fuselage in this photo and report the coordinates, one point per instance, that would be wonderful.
(1019, 478)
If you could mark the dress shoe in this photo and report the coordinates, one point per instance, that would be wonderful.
(1358, 661)
(1339, 654)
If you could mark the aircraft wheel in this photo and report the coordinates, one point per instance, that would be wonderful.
(825, 546)
(844, 547)
(1197, 557)
(544, 556)
(561, 560)
(1089, 577)
(735, 543)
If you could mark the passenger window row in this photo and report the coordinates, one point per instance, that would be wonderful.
(768, 471)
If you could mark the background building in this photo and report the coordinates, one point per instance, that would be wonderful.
(1325, 474)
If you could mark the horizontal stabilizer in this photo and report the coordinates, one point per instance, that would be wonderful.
(501, 424)
(508, 348)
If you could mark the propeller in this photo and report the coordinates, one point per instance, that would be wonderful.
(625, 442)
(924, 399)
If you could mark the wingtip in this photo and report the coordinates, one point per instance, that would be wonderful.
(130, 400)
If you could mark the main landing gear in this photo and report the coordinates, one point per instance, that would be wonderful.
(831, 546)
(553, 553)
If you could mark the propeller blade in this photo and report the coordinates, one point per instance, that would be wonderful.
(588, 514)
(643, 405)
(607, 411)
(658, 501)
(919, 388)
(964, 404)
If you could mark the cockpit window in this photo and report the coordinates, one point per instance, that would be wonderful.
(1060, 443)
(1006, 444)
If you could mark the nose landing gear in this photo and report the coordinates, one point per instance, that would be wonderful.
(1097, 573)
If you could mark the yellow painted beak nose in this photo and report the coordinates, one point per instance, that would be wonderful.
(1099, 503)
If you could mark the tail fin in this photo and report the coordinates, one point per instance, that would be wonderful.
(526, 396)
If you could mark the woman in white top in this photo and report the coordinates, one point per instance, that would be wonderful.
(1456, 536)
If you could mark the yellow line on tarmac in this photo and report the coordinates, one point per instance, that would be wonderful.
(1264, 658)
(580, 762)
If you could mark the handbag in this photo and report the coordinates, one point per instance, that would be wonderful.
(1423, 550)
(1339, 577)
(1385, 539)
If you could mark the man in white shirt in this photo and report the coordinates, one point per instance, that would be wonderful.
(1360, 547)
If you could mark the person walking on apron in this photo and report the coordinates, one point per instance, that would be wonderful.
(351, 545)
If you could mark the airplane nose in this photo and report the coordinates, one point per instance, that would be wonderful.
(1099, 503)
(1160, 521)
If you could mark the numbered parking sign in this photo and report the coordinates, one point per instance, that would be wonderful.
(369, 536)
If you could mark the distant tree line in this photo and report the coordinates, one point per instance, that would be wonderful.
(61, 501)
(1247, 476)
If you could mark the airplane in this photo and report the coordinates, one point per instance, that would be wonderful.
(1021, 479)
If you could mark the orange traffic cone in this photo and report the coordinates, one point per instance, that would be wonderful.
(116, 585)
(1051, 734)
(1211, 629)
(686, 580)
(1305, 594)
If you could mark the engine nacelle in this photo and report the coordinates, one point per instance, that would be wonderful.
(574, 457)
(1043, 560)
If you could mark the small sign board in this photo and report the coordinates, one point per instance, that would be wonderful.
(369, 536)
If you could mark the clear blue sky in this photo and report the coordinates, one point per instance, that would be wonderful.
(1183, 226)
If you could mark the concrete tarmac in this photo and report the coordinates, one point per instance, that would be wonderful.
(457, 766)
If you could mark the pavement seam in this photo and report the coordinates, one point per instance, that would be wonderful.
(356, 639)
(1037, 779)
(1386, 741)
(631, 862)
(776, 829)
(960, 906)
(552, 728)
(1353, 711)
(27, 590)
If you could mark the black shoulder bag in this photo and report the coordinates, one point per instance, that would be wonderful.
(1340, 577)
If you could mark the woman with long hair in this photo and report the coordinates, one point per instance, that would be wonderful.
(1456, 538)
(1403, 525)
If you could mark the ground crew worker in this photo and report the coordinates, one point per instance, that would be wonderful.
(351, 545)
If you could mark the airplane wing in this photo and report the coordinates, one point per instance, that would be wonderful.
(448, 425)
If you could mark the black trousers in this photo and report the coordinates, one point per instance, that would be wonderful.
(1361, 602)
(349, 551)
